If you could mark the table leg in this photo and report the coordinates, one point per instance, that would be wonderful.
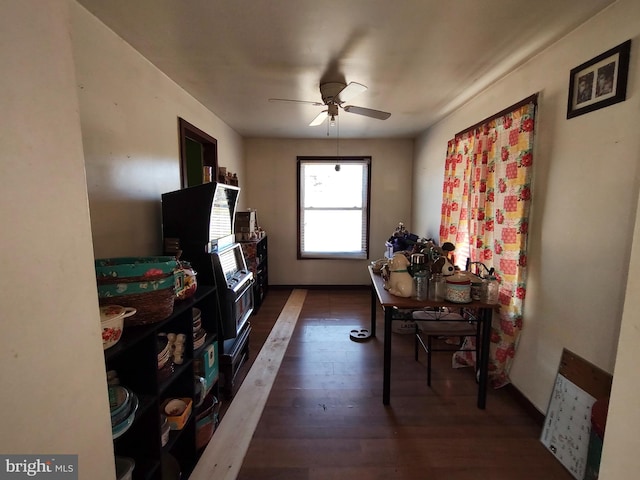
(386, 381)
(484, 357)
(374, 307)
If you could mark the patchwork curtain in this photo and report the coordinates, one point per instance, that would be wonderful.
(485, 208)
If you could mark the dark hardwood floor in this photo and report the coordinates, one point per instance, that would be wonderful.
(324, 418)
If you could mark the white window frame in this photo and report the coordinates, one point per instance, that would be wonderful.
(364, 209)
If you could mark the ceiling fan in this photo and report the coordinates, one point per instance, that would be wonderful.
(334, 96)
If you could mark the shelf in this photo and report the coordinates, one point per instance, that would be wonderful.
(146, 468)
(185, 367)
(134, 334)
(134, 358)
(174, 435)
(256, 256)
(209, 340)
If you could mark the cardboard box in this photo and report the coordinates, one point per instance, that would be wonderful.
(177, 422)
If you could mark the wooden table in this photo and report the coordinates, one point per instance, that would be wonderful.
(392, 304)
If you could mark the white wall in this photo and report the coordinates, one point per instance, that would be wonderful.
(53, 396)
(129, 112)
(67, 80)
(584, 208)
(620, 454)
(271, 190)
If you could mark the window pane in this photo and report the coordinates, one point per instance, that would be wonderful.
(333, 231)
(333, 207)
(328, 188)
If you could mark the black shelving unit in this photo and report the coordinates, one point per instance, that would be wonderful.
(134, 358)
(255, 254)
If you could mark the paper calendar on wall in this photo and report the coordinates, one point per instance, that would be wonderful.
(567, 426)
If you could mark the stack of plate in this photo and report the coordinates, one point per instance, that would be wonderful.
(165, 364)
(197, 319)
(124, 404)
(199, 333)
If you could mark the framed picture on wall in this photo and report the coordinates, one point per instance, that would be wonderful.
(600, 82)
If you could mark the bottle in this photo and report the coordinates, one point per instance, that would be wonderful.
(421, 285)
(439, 286)
(490, 290)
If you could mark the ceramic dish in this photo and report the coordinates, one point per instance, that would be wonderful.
(161, 342)
(199, 338)
(197, 320)
(112, 321)
(119, 399)
(165, 353)
(166, 371)
(163, 347)
(119, 429)
(163, 361)
(197, 324)
(175, 407)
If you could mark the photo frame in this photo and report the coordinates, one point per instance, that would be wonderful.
(600, 82)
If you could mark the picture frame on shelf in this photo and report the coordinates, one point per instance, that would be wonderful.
(600, 82)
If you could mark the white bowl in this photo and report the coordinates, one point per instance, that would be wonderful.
(175, 407)
(112, 321)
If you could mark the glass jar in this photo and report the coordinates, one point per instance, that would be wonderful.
(438, 287)
(476, 291)
(421, 285)
(490, 290)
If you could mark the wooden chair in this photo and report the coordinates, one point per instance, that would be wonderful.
(436, 324)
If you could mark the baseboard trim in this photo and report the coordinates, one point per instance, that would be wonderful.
(524, 402)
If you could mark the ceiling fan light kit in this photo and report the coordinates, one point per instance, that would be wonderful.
(334, 95)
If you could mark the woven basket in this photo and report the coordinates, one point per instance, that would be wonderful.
(144, 283)
(152, 307)
(133, 269)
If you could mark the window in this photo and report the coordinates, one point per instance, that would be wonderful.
(333, 207)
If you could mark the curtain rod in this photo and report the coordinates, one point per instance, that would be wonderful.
(532, 99)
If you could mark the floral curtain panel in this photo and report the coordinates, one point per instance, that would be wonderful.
(486, 203)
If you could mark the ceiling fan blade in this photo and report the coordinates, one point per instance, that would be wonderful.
(315, 104)
(320, 119)
(349, 92)
(367, 112)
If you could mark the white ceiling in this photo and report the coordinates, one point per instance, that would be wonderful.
(419, 58)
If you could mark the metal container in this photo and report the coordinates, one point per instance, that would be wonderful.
(458, 289)
(418, 262)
